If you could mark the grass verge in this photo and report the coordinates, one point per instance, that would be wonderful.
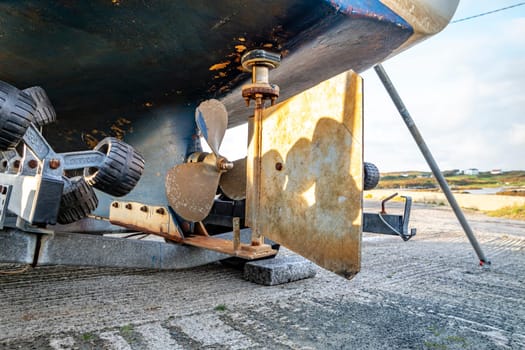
(516, 212)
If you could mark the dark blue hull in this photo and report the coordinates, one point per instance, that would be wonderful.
(136, 69)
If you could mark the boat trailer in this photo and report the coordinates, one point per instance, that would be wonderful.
(45, 204)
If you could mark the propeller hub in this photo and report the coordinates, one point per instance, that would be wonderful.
(223, 164)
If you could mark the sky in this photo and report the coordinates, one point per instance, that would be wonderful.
(464, 88)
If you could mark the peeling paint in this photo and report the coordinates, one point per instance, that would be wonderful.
(118, 129)
(90, 140)
(240, 48)
(219, 66)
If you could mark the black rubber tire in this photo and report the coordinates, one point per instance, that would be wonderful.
(17, 110)
(77, 202)
(120, 171)
(371, 178)
(45, 113)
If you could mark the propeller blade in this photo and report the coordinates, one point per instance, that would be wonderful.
(233, 182)
(212, 120)
(190, 188)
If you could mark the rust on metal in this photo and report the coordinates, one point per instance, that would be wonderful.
(271, 91)
(200, 229)
(53, 163)
(32, 163)
(383, 202)
(154, 222)
(253, 172)
(225, 246)
(236, 223)
(148, 221)
(259, 63)
(313, 205)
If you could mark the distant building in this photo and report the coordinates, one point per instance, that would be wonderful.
(471, 171)
(496, 172)
(451, 172)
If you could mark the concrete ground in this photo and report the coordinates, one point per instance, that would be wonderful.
(427, 293)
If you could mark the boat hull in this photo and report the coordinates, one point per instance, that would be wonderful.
(136, 70)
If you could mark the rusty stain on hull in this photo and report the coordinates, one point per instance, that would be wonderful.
(118, 129)
(219, 66)
(311, 174)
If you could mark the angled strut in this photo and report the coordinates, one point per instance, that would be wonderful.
(403, 111)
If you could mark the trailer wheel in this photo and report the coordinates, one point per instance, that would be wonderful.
(371, 176)
(45, 113)
(120, 171)
(17, 110)
(78, 201)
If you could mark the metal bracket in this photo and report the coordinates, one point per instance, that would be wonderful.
(35, 180)
(161, 222)
(59, 162)
(389, 224)
(5, 193)
(146, 218)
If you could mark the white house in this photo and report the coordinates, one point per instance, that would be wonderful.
(471, 171)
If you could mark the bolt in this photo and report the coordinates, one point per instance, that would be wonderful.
(128, 206)
(4, 164)
(144, 208)
(278, 166)
(16, 164)
(32, 163)
(115, 204)
(160, 211)
(54, 163)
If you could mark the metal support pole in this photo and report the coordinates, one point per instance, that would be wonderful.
(387, 83)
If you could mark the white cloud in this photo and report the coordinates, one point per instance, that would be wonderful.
(463, 88)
